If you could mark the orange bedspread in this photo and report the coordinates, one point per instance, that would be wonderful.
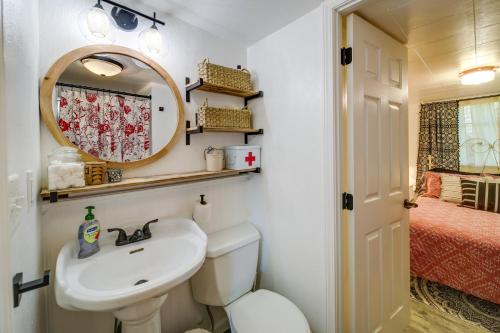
(456, 246)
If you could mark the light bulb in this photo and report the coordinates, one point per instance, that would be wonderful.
(98, 22)
(96, 26)
(150, 41)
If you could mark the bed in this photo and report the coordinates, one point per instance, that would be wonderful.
(456, 246)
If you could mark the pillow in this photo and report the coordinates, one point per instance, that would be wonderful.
(432, 185)
(493, 194)
(481, 194)
(451, 188)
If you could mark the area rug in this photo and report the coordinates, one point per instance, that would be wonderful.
(467, 307)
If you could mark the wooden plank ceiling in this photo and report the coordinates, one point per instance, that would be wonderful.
(440, 39)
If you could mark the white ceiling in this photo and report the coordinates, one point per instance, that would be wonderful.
(246, 21)
(440, 39)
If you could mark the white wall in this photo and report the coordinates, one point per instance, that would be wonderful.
(413, 132)
(23, 142)
(286, 200)
(185, 47)
(162, 122)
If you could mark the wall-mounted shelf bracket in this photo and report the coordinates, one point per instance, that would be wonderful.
(18, 287)
(260, 131)
(191, 87)
(54, 196)
(189, 131)
(259, 94)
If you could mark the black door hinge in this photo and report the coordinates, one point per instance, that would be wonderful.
(347, 201)
(346, 55)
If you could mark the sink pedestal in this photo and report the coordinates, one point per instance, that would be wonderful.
(143, 317)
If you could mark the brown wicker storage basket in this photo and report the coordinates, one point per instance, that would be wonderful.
(224, 117)
(95, 173)
(239, 79)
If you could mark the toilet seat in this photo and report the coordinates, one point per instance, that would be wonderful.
(264, 311)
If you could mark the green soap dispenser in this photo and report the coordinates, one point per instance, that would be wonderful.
(88, 235)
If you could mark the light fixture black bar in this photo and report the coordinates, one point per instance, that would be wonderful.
(60, 84)
(128, 9)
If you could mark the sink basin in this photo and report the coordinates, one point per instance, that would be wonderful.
(133, 277)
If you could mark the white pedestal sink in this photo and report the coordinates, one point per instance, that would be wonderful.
(133, 280)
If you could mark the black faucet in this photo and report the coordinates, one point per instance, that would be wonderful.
(138, 235)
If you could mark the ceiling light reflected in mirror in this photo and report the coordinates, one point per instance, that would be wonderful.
(102, 66)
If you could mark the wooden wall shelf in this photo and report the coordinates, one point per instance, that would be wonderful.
(204, 86)
(200, 129)
(133, 184)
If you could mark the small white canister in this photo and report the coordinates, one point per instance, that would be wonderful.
(242, 157)
(215, 159)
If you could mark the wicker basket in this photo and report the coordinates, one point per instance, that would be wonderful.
(95, 173)
(239, 79)
(224, 117)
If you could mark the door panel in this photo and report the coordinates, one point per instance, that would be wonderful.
(378, 157)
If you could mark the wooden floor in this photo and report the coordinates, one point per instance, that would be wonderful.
(425, 319)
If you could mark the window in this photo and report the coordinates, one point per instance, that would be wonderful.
(479, 134)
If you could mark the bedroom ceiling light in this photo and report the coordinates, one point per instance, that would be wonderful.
(477, 74)
(150, 40)
(102, 66)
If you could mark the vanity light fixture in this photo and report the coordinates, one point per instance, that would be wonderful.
(150, 41)
(96, 25)
(102, 66)
(477, 74)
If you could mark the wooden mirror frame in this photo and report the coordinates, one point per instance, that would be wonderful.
(50, 79)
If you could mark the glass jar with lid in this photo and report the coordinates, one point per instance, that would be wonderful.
(65, 169)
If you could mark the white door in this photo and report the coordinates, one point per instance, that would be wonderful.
(378, 179)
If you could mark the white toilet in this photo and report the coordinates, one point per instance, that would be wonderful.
(227, 277)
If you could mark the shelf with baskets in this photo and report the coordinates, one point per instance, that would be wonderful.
(209, 87)
(222, 80)
(202, 129)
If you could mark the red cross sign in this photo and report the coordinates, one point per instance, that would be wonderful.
(250, 159)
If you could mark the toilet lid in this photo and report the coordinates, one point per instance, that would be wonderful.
(266, 312)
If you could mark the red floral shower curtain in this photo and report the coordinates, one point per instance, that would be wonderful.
(108, 126)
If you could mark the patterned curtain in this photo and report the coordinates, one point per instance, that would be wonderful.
(438, 137)
(111, 127)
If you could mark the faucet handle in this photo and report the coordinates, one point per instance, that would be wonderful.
(122, 236)
(145, 228)
(136, 236)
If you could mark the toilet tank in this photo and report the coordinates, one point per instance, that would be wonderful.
(230, 267)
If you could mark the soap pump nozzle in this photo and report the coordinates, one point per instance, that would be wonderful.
(90, 215)
(202, 199)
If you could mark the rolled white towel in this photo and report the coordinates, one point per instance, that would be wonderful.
(198, 330)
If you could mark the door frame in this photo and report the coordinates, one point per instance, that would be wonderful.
(5, 236)
(333, 153)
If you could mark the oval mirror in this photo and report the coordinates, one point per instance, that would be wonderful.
(113, 104)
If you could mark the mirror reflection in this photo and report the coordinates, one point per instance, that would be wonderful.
(115, 108)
